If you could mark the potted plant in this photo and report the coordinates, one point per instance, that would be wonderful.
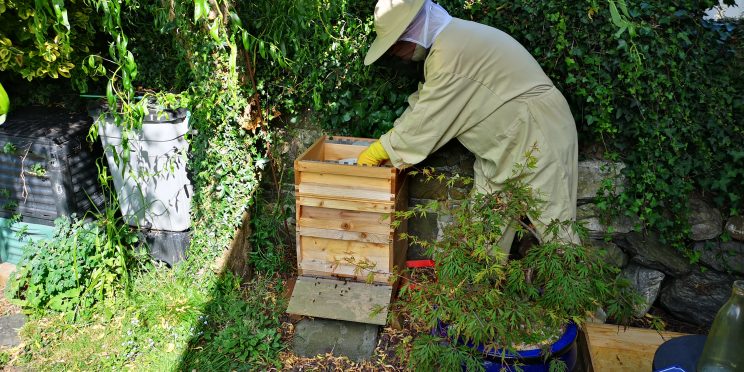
(146, 149)
(483, 310)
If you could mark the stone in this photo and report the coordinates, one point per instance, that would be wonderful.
(452, 159)
(598, 317)
(705, 221)
(647, 283)
(593, 172)
(9, 326)
(426, 228)
(650, 252)
(727, 256)
(610, 252)
(735, 227)
(420, 188)
(697, 297)
(357, 341)
(589, 215)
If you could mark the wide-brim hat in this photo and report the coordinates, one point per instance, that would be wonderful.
(392, 17)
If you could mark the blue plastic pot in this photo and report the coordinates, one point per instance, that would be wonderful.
(529, 360)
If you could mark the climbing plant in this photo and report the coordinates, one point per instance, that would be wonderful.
(639, 76)
(651, 84)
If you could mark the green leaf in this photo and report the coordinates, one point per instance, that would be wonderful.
(199, 7)
(214, 30)
(110, 97)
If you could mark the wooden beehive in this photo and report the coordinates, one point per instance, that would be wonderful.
(344, 221)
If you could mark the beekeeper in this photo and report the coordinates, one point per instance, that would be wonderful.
(485, 89)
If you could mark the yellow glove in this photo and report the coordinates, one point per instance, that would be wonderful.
(374, 155)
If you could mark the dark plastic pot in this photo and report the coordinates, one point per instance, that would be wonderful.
(529, 360)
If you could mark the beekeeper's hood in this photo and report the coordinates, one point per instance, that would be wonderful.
(418, 21)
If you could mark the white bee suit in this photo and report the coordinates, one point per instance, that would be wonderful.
(485, 89)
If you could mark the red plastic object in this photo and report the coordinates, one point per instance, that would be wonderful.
(414, 264)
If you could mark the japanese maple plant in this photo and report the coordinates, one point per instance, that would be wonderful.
(483, 297)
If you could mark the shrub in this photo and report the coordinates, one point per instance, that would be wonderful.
(484, 298)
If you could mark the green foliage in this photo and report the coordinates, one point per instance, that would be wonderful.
(9, 148)
(269, 232)
(4, 359)
(37, 170)
(169, 322)
(324, 43)
(643, 80)
(651, 82)
(83, 263)
(45, 39)
(485, 298)
(239, 328)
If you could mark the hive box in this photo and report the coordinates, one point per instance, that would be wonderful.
(345, 230)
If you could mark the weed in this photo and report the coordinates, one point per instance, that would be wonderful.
(9, 148)
(268, 239)
(37, 170)
(82, 264)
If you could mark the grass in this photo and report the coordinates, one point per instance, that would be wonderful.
(170, 321)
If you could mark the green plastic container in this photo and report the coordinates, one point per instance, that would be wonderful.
(14, 238)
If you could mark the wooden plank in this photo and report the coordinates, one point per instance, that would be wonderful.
(350, 170)
(342, 192)
(615, 348)
(345, 235)
(345, 253)
(339, 219)
(400, 245)
(336, 299)
(337, 151)
(235, 257)
(584, 359)
(314, 152)
(352, 139)
(351, 205)
(365, 183)
(324, 269)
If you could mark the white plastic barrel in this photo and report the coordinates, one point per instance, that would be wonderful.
(154, 191)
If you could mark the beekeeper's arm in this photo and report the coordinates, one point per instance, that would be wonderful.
(376, 154)
(447, 106)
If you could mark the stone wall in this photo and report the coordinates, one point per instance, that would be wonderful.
(692, 292)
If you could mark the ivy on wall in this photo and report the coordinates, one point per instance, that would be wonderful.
(650, 82)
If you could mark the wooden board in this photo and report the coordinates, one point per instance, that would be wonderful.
(335, 251)
(342, 192)
(324, 269)
(351, 170)
(340, 300)
(616, 349)
(345, 220)
(336, 151)
(349, 205)
(366, 183)
(344, 235)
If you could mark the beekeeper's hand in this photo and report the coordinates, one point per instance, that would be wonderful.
(374, 155)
